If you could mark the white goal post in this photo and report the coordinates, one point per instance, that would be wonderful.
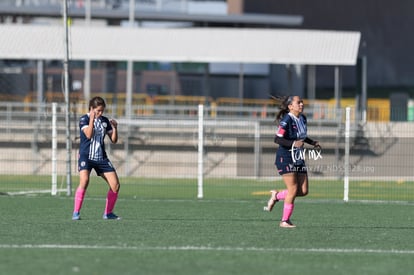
(200, 151)
(54, 150)
(347, 148)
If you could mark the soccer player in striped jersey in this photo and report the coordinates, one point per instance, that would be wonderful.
(94, 127)
(291, 136)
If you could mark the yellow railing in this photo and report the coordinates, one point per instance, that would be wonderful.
(377, 109)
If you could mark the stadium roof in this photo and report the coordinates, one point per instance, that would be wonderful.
(239, 45)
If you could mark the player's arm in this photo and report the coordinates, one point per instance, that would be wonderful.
(113, 135)
(310, 141)
(280, 136)
(88, 131)
(283, 141)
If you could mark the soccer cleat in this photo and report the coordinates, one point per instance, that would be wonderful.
(287, 224)
(76, 216)
(111, 216)
(272, 201)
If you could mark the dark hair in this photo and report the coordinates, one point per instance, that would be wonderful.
(284, 106)
(96, 101)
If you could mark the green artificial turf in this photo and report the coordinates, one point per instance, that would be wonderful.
(203, 236)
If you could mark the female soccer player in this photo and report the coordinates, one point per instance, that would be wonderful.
(290, 162)
(93, 129)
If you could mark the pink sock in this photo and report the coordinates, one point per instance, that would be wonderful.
(79, 196)
(110, 201)
(287, 211)
(281, 195)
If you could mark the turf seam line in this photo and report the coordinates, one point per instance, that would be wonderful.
(207, 248)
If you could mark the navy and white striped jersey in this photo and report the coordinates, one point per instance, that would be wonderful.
(94, 148)
(292, 128)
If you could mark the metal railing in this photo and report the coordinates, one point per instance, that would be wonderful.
(151, 137)
(143, 5)
(37, 111)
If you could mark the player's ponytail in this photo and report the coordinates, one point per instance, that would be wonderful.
(284, 106)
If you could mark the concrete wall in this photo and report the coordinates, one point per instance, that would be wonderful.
(384, 151)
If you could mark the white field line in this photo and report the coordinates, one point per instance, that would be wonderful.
(208, 248)
(29, 192)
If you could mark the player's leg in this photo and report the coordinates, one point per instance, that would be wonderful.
(303, 185)
(283, 167)
(272, 201)
(290, 180)
(80, 193)
(113, 181)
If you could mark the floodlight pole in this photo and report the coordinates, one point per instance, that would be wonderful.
(129, 90)
(364, 90)
(87, 74)
(67, 111)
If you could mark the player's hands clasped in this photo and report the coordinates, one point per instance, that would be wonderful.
(92, 114)
(114, 123)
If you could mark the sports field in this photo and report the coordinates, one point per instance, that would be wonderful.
(166, 230)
